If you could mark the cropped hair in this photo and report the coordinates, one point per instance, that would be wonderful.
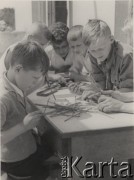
(59, 32)
(30, 55)
(37, 29)
(74, 33)
(93, 30)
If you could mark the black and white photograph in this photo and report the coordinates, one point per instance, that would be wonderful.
(66, 90)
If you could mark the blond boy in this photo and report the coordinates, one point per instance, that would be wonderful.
(111, 61)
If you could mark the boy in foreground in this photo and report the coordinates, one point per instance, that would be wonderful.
(19, 153)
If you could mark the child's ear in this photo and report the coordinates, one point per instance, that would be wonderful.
(18, 68)
(112, 39)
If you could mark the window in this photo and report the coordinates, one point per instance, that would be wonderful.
(51, 11)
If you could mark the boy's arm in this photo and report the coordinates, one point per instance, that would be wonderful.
(75, 71)
(77, 63)
(12, 133)
(108, 104)
(42, 126)
(128, 108)
(126, 74)
(124, 97)
(29, 122)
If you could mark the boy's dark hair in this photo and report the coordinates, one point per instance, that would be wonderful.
(30, 55)
(59, 32)
(74, 33)
(94, 29)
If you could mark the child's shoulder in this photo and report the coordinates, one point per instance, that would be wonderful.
(5, 95)
(123, 50)
(49, 51)
(49, 48)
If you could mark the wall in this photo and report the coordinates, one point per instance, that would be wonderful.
(114, 12)
(121, 14)
(106, 11)
(8, 38)
(84, 10)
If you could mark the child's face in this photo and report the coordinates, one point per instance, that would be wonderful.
(61, 49)
(77, 46)
(100, 49)
(26, 79)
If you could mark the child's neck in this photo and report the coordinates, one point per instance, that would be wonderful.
(10, 77)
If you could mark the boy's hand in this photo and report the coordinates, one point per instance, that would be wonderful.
(78, 87)
(108, 104)
(74, 88)
(57, 77)
(90, 95)
(32, 120)
(42, 126)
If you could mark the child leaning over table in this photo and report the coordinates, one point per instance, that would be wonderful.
(60, 55)
(38, 32)
(19, 154)
(111, 61)
(81, 67)
(118, 101)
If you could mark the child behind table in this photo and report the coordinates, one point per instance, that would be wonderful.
(58, 53)
(19, 155)
(111, 61)
(38, 32)
(119, 102)
(82, 65)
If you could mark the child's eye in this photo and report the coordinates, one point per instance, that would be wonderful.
(92, 50)
(64, 47)
(37, 78)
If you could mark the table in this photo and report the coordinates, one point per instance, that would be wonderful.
(96, 137)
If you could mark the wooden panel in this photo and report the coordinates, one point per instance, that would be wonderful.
(101, 148)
